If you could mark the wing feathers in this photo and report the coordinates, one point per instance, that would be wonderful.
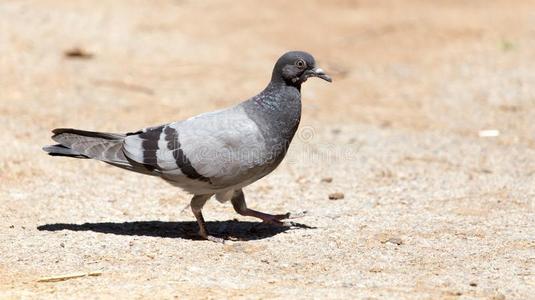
(159, 148)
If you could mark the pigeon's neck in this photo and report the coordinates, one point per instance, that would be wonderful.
(278, 80)
(277, 112)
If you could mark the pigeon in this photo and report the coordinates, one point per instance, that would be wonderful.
(212, 154)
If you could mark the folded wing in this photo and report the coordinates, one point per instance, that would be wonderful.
(219, 148)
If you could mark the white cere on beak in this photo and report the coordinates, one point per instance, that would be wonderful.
(319, 71)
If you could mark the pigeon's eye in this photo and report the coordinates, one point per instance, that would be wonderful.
(300, 63)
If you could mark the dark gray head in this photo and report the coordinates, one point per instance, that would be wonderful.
(295, 67)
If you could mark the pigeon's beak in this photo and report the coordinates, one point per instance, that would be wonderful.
(318, 72)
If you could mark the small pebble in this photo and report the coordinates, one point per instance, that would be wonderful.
(385, 124)
(473, 284)
(489, 133)
(327, 179)
(336, 196)
(376, 270)
(394, 240)
(77, 53)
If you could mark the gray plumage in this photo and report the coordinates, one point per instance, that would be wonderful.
(216, 153)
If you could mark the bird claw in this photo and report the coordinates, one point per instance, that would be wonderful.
(214, 239)
(206, 236)
(277, 220)
(296, 215)
(289, 215)
(286, 224)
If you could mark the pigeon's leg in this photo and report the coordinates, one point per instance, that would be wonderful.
(197, 202)
(238, 202)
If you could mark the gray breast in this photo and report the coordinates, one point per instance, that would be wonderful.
(277, 113)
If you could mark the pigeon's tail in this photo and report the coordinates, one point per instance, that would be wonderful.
(76, 143)
(60, 150)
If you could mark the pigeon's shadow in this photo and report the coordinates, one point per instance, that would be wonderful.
(233, 230)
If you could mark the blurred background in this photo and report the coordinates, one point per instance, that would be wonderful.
(433, 101)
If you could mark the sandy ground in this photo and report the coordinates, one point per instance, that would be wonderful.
(431, 209)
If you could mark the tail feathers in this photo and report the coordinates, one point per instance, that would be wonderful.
(106, 147)
(60, 150)
(91, 134)
(102, 146)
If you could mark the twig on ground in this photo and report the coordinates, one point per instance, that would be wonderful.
(68, 276)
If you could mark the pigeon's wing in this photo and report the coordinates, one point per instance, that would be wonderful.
(220, 148)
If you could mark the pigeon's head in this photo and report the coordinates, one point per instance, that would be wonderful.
(295, 67)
